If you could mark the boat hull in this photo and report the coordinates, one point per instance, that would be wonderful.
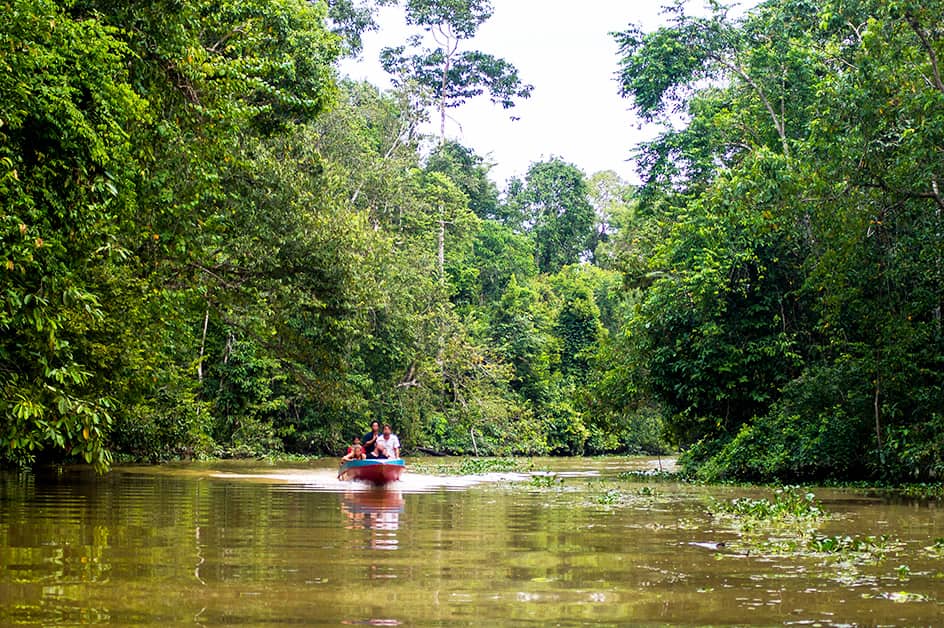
(376, 472)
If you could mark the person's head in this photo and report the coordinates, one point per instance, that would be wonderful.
(357, 449)
(387, 430)
(374, 426)
(357, 440)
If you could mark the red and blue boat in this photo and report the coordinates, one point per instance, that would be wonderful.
(374, 471)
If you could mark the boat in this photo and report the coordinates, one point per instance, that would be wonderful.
(375, 471)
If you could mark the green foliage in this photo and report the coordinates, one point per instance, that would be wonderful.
(848, 545)
(788, 525)
(499, 255)
(565, 430)
(470, 173)
(802, 438)
(449, 75)
(609, 497)
(463, 16)
(454, 80)
(350, 19)
(548, 480)
(937, 548)
(66, 172)
(211, 246)
(650, 475)
(578, 323)
(786, 240)
(923, 491)
(552, 205)
(520, 330)
(613, 202)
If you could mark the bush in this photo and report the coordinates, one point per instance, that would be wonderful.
(781, 447)
(819, 430)
(915, 452)
(634, 433)
(167, 426)
(566, 433)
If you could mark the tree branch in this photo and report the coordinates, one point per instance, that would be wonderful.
(936, 193)
(935, 65)
(779, 123)
(215, 48)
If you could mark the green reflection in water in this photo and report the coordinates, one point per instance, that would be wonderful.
(245, 544)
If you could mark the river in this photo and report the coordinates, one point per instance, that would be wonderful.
(589, 544)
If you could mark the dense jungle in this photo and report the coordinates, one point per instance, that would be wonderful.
(213, 243)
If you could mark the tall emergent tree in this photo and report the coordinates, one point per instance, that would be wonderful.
(451, 75)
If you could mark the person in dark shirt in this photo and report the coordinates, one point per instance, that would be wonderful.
(370, 438)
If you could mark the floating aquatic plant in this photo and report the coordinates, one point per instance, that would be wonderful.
(546, 480)
(479, 466)
(789, 503)
(610, 497)
(651, 475)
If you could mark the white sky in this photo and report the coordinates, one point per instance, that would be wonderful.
(562, 48)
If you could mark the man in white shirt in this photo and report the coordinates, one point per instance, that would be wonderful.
(387, 444)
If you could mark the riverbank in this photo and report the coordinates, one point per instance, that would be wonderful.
(662, 469)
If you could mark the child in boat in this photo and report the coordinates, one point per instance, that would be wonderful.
(354, 452)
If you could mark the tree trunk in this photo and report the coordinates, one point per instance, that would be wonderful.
(203, 339)
(779, 121)
(878, 411)
(442, 99)
(441, 259)
(929, 48)
(441, 267)
(936, 191)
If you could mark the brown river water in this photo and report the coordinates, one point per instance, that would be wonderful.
(255, 544)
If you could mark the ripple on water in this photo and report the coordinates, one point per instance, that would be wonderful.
(255, 545)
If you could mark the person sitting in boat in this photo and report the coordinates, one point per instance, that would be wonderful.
(354, 452)
(387, 445)
(370, 439)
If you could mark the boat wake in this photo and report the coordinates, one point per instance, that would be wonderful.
(325, 480)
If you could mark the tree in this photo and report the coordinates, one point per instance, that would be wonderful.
(470, 172)
(521, 328)
(789, 247)
(578, 323)
(553, 206)
(498, 255)
(451, 75)
(660, 70)
(612, 201)
(67, 169)
(350, 19)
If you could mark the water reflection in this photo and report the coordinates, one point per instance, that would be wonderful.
(255, 545)
(377, 510)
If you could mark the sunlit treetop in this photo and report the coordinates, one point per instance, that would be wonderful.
(462, 17)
